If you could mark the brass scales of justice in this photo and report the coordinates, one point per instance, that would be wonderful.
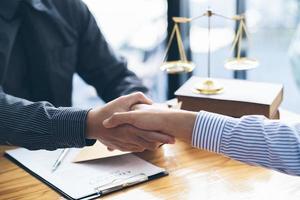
(209, 86)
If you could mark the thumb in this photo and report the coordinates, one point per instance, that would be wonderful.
(118, 119)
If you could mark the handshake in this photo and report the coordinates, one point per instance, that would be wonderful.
(132, 123)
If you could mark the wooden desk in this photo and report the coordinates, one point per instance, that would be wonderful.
(194, 174)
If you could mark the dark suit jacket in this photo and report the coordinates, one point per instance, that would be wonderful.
(62, 38)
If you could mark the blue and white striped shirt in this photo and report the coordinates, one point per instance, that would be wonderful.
(255, 140)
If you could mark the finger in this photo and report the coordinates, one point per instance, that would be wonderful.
(109, 145)
(157, 137)
(141, 107)
(139, 149)
(153, 107)
(130, 135)
(147, 145)
(119, 145)
(118, 119)
(126, 148)
(131, 149)
(157, 144)
(110, 149)
(137, 98)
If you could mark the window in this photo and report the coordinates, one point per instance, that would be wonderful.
(136, 29)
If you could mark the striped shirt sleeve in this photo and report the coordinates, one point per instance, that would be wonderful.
(255, 140)
(39, 125)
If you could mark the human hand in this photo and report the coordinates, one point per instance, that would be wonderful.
(124, 137)
(177, 123)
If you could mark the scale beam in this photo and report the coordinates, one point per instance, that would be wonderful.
(183, 65)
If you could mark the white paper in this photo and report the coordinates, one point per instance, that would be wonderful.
(80, 179)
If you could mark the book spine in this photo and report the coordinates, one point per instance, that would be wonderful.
(276, 103)
(230, 108)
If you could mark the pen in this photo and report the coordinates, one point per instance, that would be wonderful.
(60, 158)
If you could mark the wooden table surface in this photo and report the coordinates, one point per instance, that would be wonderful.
(194, 174)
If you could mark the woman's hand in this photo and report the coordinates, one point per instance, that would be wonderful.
(172, 122)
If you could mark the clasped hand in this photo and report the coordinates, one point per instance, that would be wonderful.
(124, 137)
(176, 123)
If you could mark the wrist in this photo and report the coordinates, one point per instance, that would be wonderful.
(181, 124)
(89, 132)
(94, 127)
(188, 119)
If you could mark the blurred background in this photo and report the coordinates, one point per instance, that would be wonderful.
(138, 29)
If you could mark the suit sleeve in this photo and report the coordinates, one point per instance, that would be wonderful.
(40, 125)
(98, 65)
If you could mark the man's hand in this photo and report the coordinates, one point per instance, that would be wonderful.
(125, 137)
(177, 123)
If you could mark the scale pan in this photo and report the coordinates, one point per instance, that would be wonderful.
(241, 64)
(176, 67)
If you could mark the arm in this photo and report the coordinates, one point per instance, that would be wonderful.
(40, 125)
(250, 139)
(98, 65)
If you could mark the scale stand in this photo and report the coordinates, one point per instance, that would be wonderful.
(209, 86)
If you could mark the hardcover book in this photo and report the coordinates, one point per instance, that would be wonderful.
(239, 98)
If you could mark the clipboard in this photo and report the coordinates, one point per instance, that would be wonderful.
(96, 190)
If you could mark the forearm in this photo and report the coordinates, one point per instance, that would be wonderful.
(40, 125)
(250, 139)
